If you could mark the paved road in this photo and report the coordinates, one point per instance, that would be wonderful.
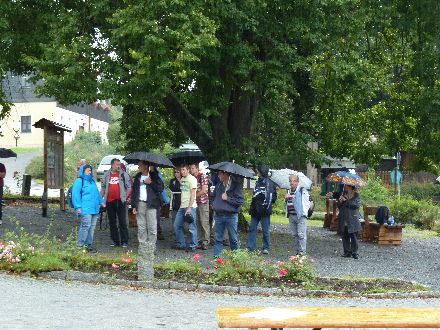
(44, 304)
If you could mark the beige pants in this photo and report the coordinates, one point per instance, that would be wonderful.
(147, 223)
(203, 226)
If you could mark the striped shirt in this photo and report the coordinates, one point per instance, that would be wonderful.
(202, 180)
(290, 202)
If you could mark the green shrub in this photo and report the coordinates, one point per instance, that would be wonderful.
(407, 210)
(297, 269)
(420, 191)
(86, 145)
(375, 193)
(189, 267)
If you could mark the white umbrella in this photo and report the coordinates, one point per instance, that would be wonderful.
(281, 178)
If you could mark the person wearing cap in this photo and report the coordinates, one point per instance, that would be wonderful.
(86, 200)
(348, 220)
(263, 197)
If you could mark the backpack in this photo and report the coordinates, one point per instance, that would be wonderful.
(257, 208)
(382, 214)
(69, 194)
(312, 205)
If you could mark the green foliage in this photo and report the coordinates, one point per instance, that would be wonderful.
(86, 145)
(423, 214)
(375, 194)
(172, 268)
(297, 269)
(419, 191)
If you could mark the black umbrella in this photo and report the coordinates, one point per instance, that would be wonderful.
(150, 157)
(7, 153)
(187, 157)
(232, 168)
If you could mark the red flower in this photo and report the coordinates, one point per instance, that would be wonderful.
(114, 266)
(220, 261)
(197, 257)
(127, 260)
(282, 272)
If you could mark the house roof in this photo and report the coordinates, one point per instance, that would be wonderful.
(51, 124)
(339, 163)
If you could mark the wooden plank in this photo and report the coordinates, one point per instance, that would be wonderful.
(327, 317)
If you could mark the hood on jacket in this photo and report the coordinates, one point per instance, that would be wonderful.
(264, 170)
(81, 172)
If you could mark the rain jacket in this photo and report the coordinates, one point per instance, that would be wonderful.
(235, 197)
(349, 215)
(85, 194)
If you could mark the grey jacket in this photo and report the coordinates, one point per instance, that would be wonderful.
(124, 184)
(349, 214)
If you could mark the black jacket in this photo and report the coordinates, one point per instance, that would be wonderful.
(153, 191)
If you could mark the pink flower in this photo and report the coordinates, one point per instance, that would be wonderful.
(1, 245)
(197, 257)
(279, 263)
(114, 266)
(220, 261)
(127, 260)
(282, 272)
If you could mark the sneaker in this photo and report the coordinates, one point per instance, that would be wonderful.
(124, 245)
(91, 249)
(265, 251)
(113, 244)
(355, 256)
(202, 246)
(346, 255)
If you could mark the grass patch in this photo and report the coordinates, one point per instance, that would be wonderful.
(19, 150)
(411, 231)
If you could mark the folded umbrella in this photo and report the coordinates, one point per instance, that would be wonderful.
(347, 178)
(281, 178)
(232, 168)
(187, 157)
(7, 153)
(149, 157)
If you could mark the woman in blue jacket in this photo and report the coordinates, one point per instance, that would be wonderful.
(86, 200)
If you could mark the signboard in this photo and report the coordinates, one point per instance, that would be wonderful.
(55, 159)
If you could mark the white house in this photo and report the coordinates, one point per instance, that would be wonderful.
(18, 130)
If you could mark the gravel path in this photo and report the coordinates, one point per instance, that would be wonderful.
(417, 259)
(46, 304)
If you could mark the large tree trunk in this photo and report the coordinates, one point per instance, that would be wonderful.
(229, 128)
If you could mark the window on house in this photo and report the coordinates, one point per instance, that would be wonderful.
(26, 124)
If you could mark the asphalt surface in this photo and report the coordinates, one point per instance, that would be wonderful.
(47, 304)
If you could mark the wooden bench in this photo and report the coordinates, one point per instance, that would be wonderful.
(331, 214)
(254, 318)
(383, 234)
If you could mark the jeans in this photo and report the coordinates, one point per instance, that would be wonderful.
(86, 229)
(119, 229)
(223, 221)
(252, 235)
(146, 219)
(178, 229)
(299, 231)
(349, 242)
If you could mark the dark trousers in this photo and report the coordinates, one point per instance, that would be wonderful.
(349, 242)
(1, 202)
(117, 209)
(159, 228)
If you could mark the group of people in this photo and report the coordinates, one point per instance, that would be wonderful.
(208, 205)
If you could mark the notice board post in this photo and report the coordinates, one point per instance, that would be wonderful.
(53, 160)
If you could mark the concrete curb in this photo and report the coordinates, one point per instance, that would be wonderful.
(96, 278)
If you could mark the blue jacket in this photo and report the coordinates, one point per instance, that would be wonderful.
(235, 196)
(85, 194)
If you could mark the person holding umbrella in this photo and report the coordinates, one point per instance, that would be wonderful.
(227, 198)
(147, 187)
(348, 220)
